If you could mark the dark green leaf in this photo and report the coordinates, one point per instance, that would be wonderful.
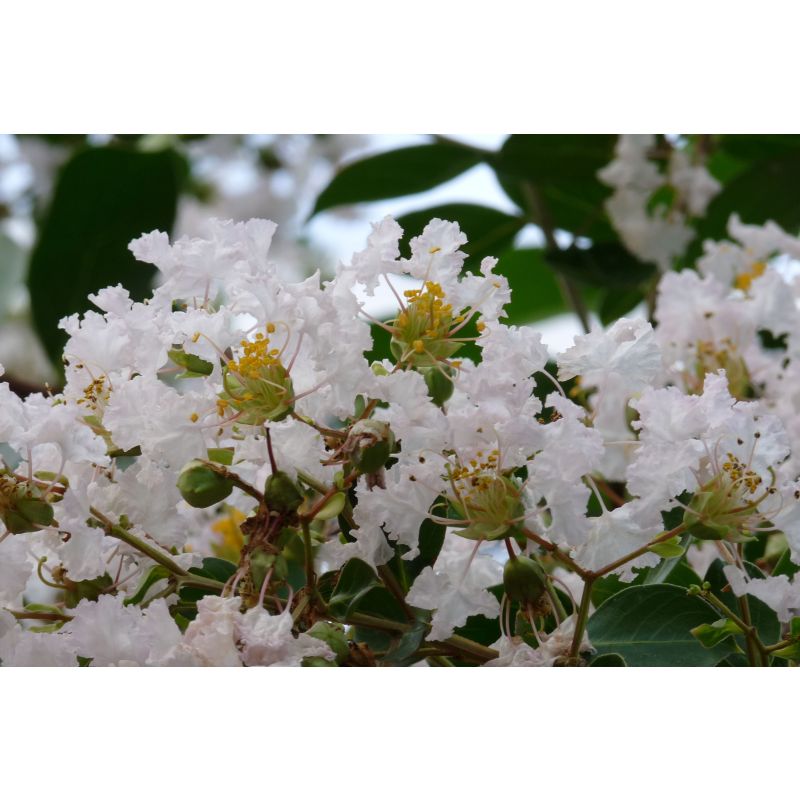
(616, 304)
(785, 565)
(380, 344)
(355, 578)
(606, 265)
(608, 660)
(408, 170)
(766, 190)
(754, 147)
(402, 651)
(562, 172)
(734, 660)
(103, 199)
(377, 601)
(651, 626)
(534, 290)
(547, 158)
(217, 568)
(489, 231)
(480, 629)
(431, 539)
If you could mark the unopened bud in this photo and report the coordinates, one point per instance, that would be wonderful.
(439, 383)
(369, 444)
(524, 580)
(281, 494)
(202, 486)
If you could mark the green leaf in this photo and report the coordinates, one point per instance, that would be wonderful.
(753, 147)
(408, 170)
(552, 158)
(103, 199)
(671, 548)
(195, 366)
(221, 455)
(381, 340)
(355, 578)
(785, 565)
(616, 304)
(711, 634)
(790, 652)
(651, 626)
(402, 651)
(480, 629)
(604, 264)
(431, 539)
(673, 570)
(534, 290)
(333, 507)
(489, 231)
(608, 660)
(217, 568)
(563, 171)
(766, 190)
(153, 575)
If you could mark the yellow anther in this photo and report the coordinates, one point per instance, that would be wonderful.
(270, 327)
(744, 280)
(194, 416)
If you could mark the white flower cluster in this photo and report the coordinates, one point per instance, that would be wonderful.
(235, 414)
(651, 206)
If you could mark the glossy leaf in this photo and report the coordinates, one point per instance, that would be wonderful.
(103, 199)
(606, 265)
(534, 290)
(711, 634)
(766, 190)
(562, 172)
(355, 578)
(651, 626)
(608, 660)
(408, 170)
(785, 565)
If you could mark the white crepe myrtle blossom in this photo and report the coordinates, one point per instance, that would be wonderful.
(779, 592)
(231, 477)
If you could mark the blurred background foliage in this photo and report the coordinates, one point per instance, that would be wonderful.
(69, 205)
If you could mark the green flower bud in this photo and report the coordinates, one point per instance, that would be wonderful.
(439, 383)
(202, 486)
(369, 444)
(524, 580)
(281, 494)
